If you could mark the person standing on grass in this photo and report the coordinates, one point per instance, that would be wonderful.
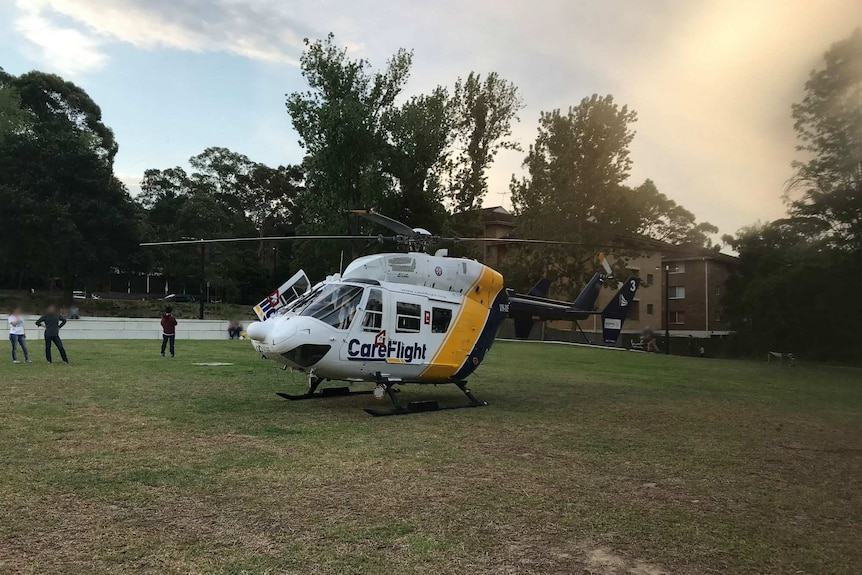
(16, 335)
(53, 321)
(169, 330)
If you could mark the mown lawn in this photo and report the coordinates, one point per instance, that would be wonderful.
(586, 461)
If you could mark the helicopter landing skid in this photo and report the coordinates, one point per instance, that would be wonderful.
(312, 393)
(422, 406)
(323, 393)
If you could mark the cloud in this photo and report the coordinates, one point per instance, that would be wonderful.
(73, 35)
(69, 50)
(131, 181)
(712, 82)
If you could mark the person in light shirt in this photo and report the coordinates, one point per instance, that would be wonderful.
(17, 336)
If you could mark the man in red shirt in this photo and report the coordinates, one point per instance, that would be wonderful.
(169, 330)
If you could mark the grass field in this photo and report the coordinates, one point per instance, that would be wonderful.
(587, 461)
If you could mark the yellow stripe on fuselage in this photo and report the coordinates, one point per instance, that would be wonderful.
(466, 327)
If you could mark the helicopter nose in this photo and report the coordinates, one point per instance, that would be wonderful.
(259, 330)
(274, 331)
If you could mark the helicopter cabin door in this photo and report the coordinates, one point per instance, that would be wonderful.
(419, 328)
(365, 342)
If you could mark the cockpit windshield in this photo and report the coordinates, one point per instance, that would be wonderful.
(335, 304)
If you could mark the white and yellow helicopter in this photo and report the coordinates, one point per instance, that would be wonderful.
(398, 318)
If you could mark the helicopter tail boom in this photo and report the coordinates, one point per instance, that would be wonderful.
(524, 307)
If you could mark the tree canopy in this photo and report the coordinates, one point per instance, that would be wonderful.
(574, 191)
(227, 195)
(828, 124)
(65, 214)
(421, 159)
(484, 112)
(369, 143)
(798, 275)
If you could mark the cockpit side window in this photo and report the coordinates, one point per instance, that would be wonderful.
(373, 320)
(335, 304)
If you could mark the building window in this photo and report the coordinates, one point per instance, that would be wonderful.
(649, 309)
(676, 267)
(718, 291)
(634, 311)
(677, 317)
(676, 292)
(409, 317)
(718, 316)
(440, 318)
(649, 279)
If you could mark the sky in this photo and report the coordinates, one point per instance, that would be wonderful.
(712, 81)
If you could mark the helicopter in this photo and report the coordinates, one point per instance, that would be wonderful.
(405, 318)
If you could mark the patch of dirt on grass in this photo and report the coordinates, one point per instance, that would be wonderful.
(603, 561)
(76, 535)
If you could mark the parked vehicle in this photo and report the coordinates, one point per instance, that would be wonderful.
(180, 298)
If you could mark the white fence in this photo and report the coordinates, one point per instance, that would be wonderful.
(128, 328)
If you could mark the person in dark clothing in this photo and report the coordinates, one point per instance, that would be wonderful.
(234, 329)
(169, 330)
(53, 321)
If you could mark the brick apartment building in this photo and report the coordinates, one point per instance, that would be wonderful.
(648, 307)
(697, 277)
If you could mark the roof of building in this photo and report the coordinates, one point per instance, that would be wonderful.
(497, 215)
(694, 252)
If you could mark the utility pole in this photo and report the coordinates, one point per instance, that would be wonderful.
(667, 309)
(203, 279)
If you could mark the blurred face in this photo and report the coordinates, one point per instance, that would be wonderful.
(16, 311)
(52, 309)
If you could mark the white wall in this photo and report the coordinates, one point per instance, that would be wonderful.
(127, 328)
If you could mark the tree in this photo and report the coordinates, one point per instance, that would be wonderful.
(420, 132)
(340, 125)
(13, 118)
(573, 189)
(66, 216)
(800, 273)
(227, 195)
(220, 172)
(339, 122)
(484, 112)
(270, 197)
(828, 124)
(661, 218)
(790, 284)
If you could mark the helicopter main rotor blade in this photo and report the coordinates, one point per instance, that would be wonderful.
(524, 241)
(261, 239)
(394, 225)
